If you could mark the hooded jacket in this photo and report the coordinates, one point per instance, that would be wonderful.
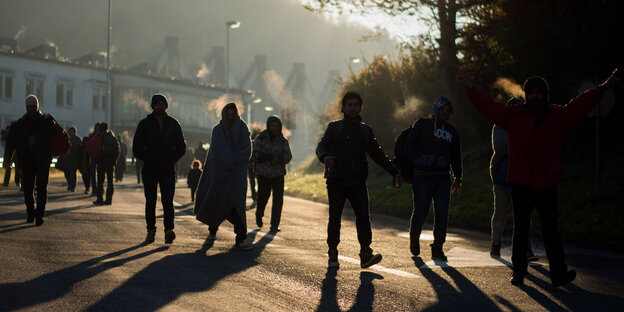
(159, 147)
(223, 183)
(534, 147)
(30, 137)
(266, 147)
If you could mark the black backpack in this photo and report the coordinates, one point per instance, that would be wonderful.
(110, 146)
(400, 158)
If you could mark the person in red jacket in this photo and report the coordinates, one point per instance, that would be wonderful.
(535, 131)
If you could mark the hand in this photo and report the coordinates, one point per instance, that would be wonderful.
(612, 81)
(398, 180)
(462, 80)
(456, 186)
(329, 161)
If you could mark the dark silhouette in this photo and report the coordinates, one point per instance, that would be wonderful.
(106, 165)
(120, 166)
(192, 178)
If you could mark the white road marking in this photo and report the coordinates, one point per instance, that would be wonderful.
(461, 257)
(380, 268)
(428, 236)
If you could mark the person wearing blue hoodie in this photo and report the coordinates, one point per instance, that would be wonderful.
(434, 148)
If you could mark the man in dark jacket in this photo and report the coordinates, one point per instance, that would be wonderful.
(120, 167)
(271, 153)
(433, 147)
(535, 130)
(159, 143)
(30, 138)
(106, 165)
(343, 150)
(73, 159)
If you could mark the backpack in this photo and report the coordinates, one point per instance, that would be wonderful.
(400, 158)
(94, 146)
(59, 143)
(110, 146)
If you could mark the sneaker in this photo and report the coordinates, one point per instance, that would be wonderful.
(562, 278)
(531, 256)
(517, 279)
(275, 230)
(169, 236)
(437, 253)
(369, 260)
(151, 235)
(30, 219)
(495, 250)
(243, 245)
(415, 247)
(259, 221)
(98, 202)
(108, 202)
(38, 221)
(211, 238)
(86, 191)
(332, 262)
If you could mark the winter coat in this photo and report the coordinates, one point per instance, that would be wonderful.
(159, 148)
(350, 142)
(266, 148)
(30, 138)
(498, 163)
(192, 178)
(434, 148)
(534, 147)
(223, 183)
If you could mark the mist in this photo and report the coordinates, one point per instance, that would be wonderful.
(281, 29)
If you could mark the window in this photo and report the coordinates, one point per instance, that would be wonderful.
(6, 85)
(64, 93)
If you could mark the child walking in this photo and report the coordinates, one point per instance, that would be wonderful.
(192, 178)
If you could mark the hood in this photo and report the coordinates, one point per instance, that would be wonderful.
(439, 102)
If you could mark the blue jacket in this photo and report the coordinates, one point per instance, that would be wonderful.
(434, 148)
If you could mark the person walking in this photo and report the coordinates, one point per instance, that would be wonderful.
(271, 153)
(120, 166)
(343, 150)
(535, 131)
(159, 143)
(73, 160)
(501, 189)
(434, 148)
(222, 189)
(192, 178)
(251, 174)
(106, 165)
(30, 138)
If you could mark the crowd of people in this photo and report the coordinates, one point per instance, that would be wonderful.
(525, 168)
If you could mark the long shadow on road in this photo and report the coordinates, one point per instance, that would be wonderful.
(363, 299)
(163, 281)
(55, 285)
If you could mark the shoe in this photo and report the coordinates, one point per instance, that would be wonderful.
(437, 253)
(495, 250)
(415, 247)
(259, 221)
(531, 256)
(332, 262)
(275, 230)
(71, 190)
(21, 189)
(369, 260)
(211, 238)
(108, 202)
(562, 278)
(30, 219)
(5, 184)
(151, 235)
(169, 236)
(243, 245)
(38, 221)
(86, 192)
(517, 279)
(98, 202)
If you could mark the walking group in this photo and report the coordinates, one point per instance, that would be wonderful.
(525, 168)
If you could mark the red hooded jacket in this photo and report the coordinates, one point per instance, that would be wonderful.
(534, 149)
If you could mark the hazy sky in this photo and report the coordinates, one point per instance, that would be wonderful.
(281, 29)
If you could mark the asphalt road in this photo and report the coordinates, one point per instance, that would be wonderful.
(87, 257)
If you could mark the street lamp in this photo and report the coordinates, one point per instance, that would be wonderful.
(233, 25)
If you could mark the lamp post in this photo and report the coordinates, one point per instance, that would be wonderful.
(233, 25)
(108, 75)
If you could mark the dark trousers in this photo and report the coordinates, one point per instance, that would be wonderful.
(239, 227)
(545, 202)
(86, 177)
(357, 195)
(193, 190)
(70, 177)
(39, 174)
(252, 180)
(105, 171)
(424, 189)
(265, 185)
(151, 181)
(93, 175)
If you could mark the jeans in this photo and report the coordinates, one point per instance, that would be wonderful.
(30, 174)
(239, 227)
(424, 189)
(265, 185)
(252, 181)
(70, 177)
(151, 180)
(92, 174)
(545, 202)
(105, 171)
(357, 195)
